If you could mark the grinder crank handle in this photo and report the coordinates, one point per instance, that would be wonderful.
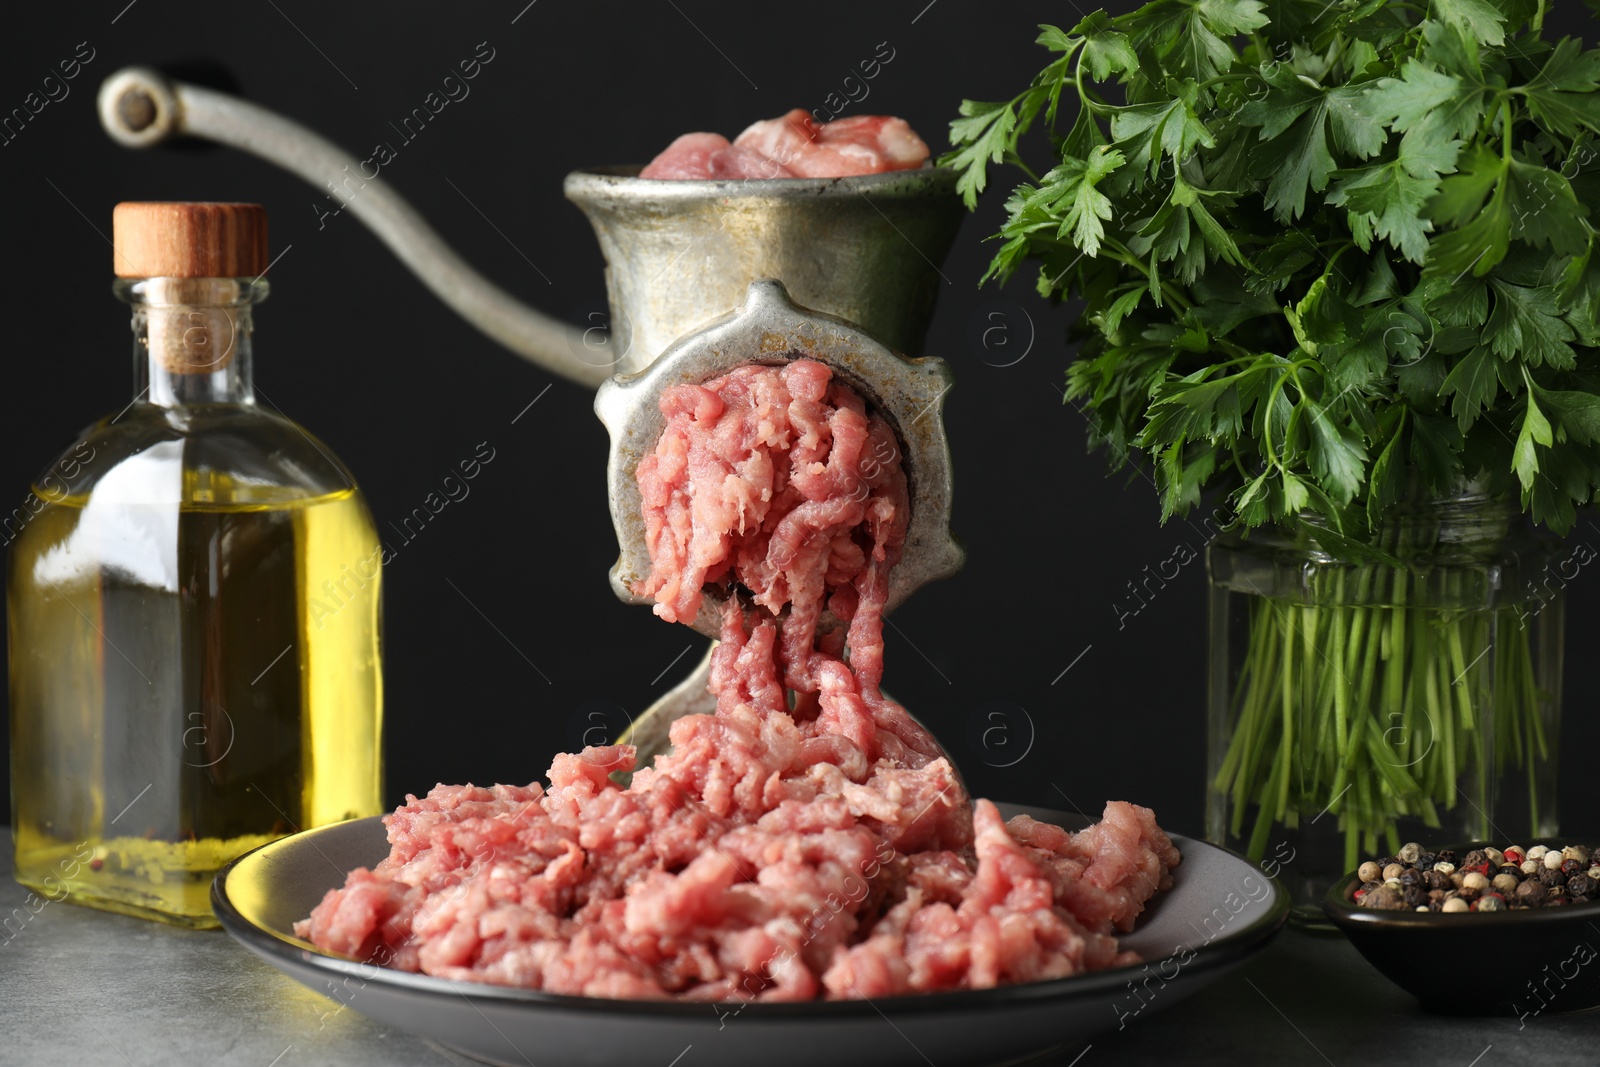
(140, 107)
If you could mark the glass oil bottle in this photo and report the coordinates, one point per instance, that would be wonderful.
(193, 604)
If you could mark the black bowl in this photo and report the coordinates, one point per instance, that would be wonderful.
(1521, 963)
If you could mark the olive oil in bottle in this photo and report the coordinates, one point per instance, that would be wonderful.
(194, 604)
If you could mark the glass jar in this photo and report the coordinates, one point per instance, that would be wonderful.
(194, 606)
(1355, 704)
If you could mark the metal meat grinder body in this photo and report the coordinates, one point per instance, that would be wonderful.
(701, 276)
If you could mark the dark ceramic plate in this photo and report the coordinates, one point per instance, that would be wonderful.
(1521, 963)
(1220, 910)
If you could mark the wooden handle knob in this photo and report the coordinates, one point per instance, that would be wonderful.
(189, 240)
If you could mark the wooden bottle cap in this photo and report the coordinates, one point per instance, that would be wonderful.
(157, 239)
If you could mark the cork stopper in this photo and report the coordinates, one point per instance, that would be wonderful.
(189, 240)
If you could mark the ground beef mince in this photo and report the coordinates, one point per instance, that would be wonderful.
(807, 840)
(795, 146)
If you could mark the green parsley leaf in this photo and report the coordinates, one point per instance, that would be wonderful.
(1338, 456)
(1435, 448)
(1150, 132)
(1106, 50)
(1562, 98)
(1296, 123)
(1527, 324)
(1526, 202)
(1404, 102)
(1473, 381)
(1388, 473)
(1233, 16)
(1481, 234)
(1123, 306)
(1180, 475)
(1323, 317)
(1382, 335)
(1293, 163)
(1295, 494)
(1454, 53)
(1535, 431)
(1480, 18)
(986, 131)
(1184, 409)
(1275, 111)
(1544, 209)
(1577, 413)
(1579, 292)
(1055, 39)
(1068, 193)
(1392, 195)
(1465, 303)
(1188, 36)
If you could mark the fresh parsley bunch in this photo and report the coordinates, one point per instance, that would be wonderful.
(1329, 253)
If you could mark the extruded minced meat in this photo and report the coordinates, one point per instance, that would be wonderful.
(795, 146)
(807, 840)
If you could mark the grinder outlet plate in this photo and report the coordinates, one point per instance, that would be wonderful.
(771, 329)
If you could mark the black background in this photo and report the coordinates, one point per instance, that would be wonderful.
(354, 348)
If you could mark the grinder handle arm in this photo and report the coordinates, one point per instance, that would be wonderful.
(140, 107)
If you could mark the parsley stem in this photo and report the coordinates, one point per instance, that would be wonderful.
(1016, 161)
(1113, 249)
(1077, 81)
(1375, 694)
(1241, 353)
(1343, 248)
(1223, 79)
(1266, 424)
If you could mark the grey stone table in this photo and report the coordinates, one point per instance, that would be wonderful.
(98, 990)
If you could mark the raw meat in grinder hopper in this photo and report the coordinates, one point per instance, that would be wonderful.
(795, 146)
(827, 850)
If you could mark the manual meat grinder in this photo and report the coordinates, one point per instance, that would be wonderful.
(701, 276)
